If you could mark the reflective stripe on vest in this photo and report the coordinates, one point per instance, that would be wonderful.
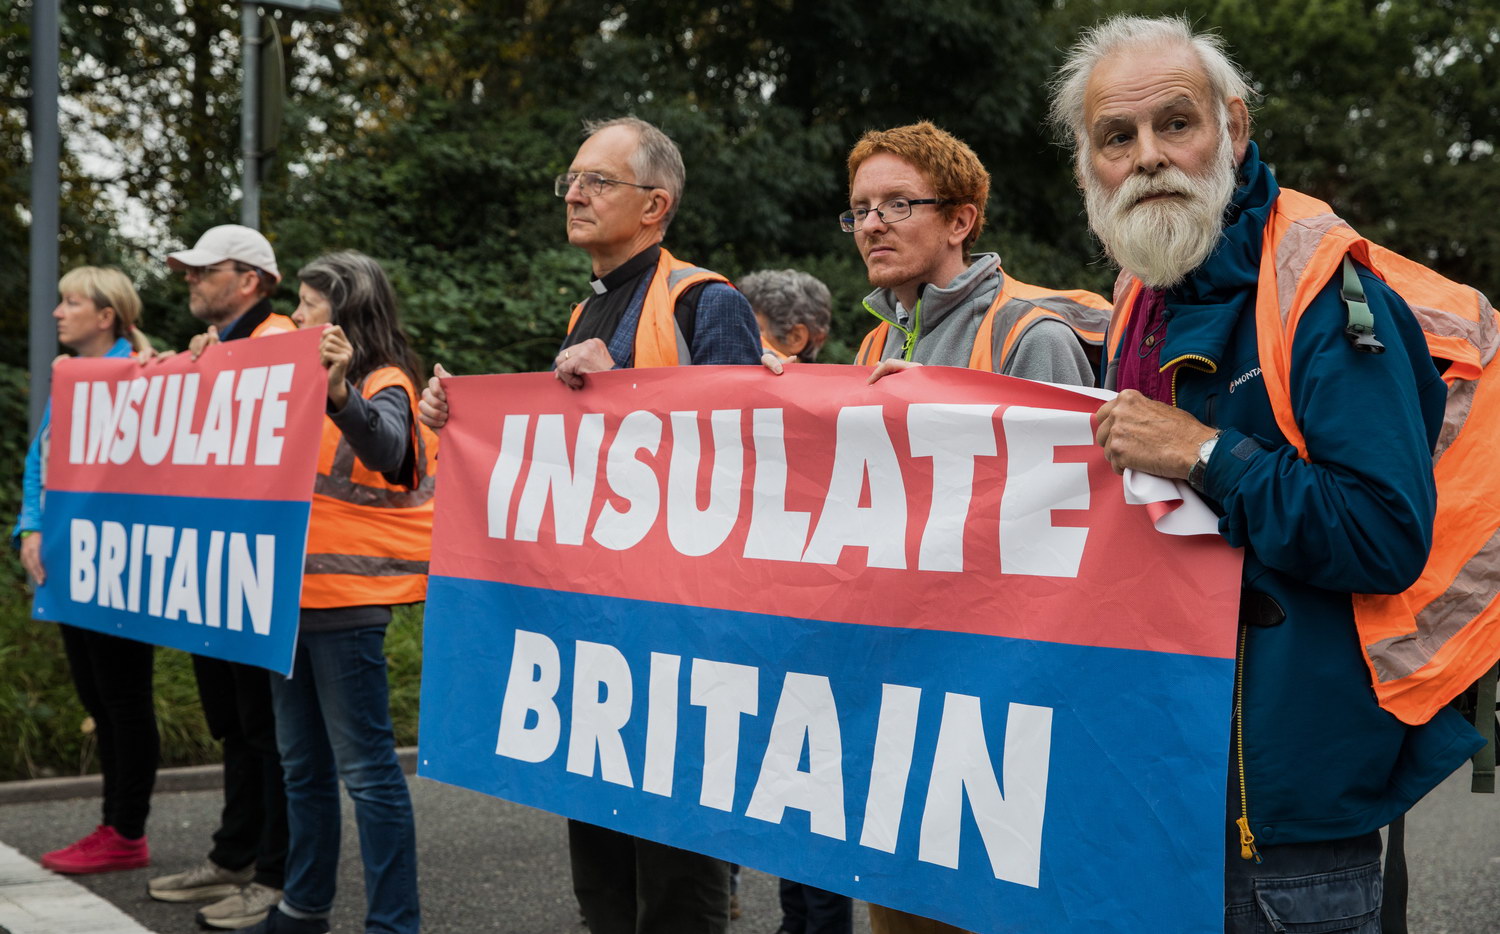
(369, 541)
(1424, 646)
(658, 339)
(1016, 308)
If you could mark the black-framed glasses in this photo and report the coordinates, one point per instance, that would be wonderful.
(590, 183)
(889, 212)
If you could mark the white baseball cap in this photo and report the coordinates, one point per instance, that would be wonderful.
(228, 241)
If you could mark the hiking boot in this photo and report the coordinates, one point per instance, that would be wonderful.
(278, 923)
(207, 881)
(248, 906)
(104, 850)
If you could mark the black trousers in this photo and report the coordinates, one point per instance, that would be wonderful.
(808, 910)
(627, 885)
(113, 678)
(253, 828)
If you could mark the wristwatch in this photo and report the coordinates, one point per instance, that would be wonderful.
(1199, 472)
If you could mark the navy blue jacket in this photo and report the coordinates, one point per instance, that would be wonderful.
(1322, 760)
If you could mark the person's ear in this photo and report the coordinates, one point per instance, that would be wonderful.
(249, 286)
(1239, 128)
(962, 223)
(660, 204)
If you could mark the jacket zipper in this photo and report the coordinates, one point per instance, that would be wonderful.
(910, 344)
(1197, 362)
(1247, 838)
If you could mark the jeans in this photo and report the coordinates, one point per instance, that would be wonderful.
(113, 678)
(1316, 888)
(252, 829)
(333, 721)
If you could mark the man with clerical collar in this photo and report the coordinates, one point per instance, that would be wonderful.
(646, 308)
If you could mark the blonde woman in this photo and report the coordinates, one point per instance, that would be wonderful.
(96, 316)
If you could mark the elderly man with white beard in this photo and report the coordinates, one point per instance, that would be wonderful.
(1181, 200)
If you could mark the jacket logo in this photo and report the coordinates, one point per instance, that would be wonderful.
(1243, 378)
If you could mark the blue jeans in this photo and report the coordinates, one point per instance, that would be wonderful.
(333, 721)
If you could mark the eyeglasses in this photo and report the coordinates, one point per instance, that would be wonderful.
(203, 272)
(590, 183)
(889, 212)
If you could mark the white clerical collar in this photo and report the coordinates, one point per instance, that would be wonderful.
(599, 287)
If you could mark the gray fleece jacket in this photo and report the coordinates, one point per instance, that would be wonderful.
(947, 320)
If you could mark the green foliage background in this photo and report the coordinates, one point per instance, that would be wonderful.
(426, 134)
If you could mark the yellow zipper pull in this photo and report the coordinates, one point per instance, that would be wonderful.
(1247, 840)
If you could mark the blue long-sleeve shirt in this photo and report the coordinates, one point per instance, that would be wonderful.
(724, 327)
(33, 481)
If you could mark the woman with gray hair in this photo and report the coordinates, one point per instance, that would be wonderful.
(368, 542)
(793, 308)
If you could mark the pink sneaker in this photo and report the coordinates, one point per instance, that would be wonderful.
(104, 850)
(82, 843)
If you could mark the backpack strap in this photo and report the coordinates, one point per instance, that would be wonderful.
(1483, 781)
(1393, 899)
(1361, 327)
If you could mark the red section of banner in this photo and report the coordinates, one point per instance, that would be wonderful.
(1039, 544)
(234, 424)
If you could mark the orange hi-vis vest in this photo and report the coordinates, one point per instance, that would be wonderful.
(1015, 309)
(369, 541)
(273, 324)
(1424, 646)
(658, 340)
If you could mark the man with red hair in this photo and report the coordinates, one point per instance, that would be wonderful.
(916, 208)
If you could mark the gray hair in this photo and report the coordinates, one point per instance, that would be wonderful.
(363, 303)
(1225, 79)
(656, 160)
(787, 298)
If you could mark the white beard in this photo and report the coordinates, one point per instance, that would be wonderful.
(1160, 242)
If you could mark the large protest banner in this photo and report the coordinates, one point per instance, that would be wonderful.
(177, 496)
(905, 641)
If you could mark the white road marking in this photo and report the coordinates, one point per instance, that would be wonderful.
(36, 901)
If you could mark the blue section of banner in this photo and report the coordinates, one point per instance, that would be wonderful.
(1135, 750)
(216, 577)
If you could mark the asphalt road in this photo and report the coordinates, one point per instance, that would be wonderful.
(485, 865)
(492, 866)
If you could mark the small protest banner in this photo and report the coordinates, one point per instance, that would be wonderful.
(177, 496)
(907, 642)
